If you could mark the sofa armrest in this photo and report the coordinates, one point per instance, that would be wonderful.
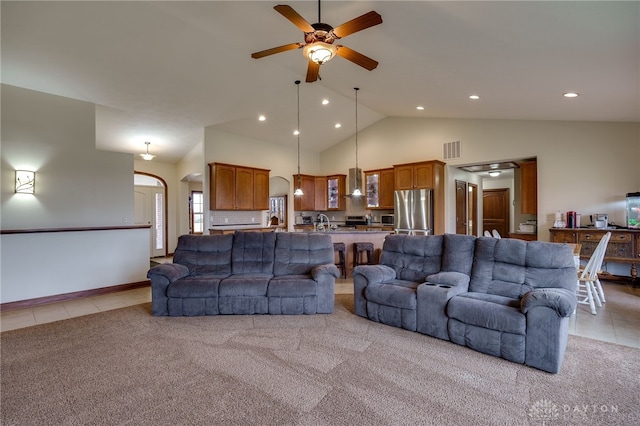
(375, 274)
(451, 279)
(328, 269)
(170, 271)
(562, 301)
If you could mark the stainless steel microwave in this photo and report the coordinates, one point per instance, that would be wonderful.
(387, 219)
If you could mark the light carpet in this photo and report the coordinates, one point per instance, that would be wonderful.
(126, 367)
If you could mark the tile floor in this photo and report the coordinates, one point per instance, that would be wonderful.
(618, 321)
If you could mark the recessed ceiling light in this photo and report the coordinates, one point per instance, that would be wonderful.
(296, 133)
(571, 95)
(261, 118)
(420, 108)
(337, 125)
(474, 97)
(325, 102)
(494, 173)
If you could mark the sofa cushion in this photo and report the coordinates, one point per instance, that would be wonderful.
(489, 311)
(292, 286)
(253, 252)
(298, 253)
(412, 257)
(244, 285)
(396, 293)
(200, 286)
(457, 253)
(205, 254)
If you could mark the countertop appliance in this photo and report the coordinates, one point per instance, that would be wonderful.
(414, 211)
(387, 219)
(355, 220)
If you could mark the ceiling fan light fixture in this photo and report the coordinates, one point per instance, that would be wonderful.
(319, 52)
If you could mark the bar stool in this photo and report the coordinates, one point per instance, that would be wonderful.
(358, 250)
(342, 257)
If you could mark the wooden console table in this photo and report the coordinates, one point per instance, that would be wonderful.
(624, 245)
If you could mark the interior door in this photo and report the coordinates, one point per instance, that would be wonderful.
(149, 210)
(461, 207)
(495, 210)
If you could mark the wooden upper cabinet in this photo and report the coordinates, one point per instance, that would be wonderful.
(260, 189)
(416, 175)
(320, 193)
(529, 187)
(336, 188)
(379, 185)
(305, 202)
(238, 187)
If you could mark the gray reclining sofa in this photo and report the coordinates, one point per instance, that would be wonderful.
(246, 273)
(503, 297)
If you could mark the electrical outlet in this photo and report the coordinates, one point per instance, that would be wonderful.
(226, 220)
(124, 219)
(253, 219)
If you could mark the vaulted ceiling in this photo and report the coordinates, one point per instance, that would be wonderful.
(163, 71)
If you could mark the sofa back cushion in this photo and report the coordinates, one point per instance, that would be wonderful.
(457, 253)
(298, 253)
(205, 254)
(412, 257)
(509, 267)
(253, 252)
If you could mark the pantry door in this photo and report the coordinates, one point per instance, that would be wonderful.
(495, 210)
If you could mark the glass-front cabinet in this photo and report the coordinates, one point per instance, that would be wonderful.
(379, 188)
(336, 187)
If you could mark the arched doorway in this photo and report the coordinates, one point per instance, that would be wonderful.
(150, 201)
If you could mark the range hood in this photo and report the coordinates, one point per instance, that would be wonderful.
(355, 180)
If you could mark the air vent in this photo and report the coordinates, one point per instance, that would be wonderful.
(452, 150)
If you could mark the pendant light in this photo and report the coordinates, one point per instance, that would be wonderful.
(356, 189)
(298, 192)
(147, 156)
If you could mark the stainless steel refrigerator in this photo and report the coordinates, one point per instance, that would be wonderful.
(413, 209)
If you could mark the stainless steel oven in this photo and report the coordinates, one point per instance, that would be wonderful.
(387, 219)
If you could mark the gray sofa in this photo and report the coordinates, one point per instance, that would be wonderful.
(504, 297)
(246, 273)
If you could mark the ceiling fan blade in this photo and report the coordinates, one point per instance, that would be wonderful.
(313, 70)
(275, 50)
(294, 17)
(358, 24)
(356, 57)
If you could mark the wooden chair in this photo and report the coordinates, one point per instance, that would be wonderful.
(589, 287)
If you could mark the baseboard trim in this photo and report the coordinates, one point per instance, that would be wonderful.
(30, 303)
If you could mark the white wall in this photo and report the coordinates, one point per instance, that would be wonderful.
(76, 186)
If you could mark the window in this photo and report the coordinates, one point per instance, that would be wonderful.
(197, 212)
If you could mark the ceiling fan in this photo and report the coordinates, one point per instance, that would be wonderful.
(319, 38)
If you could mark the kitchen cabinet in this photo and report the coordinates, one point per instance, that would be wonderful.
(321, 193)
(336, 189)
(529, 187)
(380, 185)
(425, 175)
(238, 187)
(305, 202)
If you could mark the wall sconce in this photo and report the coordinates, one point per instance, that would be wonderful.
(25, 182)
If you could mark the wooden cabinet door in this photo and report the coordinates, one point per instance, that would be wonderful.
(260, 189)
(529, 187)
(372, 188)
(224, 184)
(386, 188)
(244, 188)
(404, 176)
(305, 202)
(336, 187)
(423, 175)
(321, 193)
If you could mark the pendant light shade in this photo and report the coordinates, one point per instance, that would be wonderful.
(356, 189)
(298, 192)
(147, 156)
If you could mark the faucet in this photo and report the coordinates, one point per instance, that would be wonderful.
(321, 221)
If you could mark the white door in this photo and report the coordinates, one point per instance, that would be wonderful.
(149, 210)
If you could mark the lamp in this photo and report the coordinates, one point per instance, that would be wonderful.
(356, 190)
(319, 52)
(147, 156)
(25, 182)
(298, 192)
